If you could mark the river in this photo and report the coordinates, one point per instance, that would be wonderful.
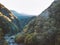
(10, 40)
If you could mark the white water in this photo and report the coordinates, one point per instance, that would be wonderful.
(10, 40)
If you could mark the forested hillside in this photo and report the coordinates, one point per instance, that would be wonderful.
(42, 30)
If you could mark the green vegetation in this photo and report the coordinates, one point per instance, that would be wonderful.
(44, 31)
(39, 31)
(27, 39)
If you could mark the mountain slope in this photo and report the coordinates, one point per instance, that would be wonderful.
(8, 21)
(42, 30)
(10, 24)
(8, 14)
(7, 25)
(23, 18)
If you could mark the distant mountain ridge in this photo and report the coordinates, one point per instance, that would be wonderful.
(19, 14)
(32, 30)
(11, 24)
(24, 18)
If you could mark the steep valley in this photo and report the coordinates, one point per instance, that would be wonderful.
(20, 29)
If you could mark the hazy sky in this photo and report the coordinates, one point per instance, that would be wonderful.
(31, 7)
